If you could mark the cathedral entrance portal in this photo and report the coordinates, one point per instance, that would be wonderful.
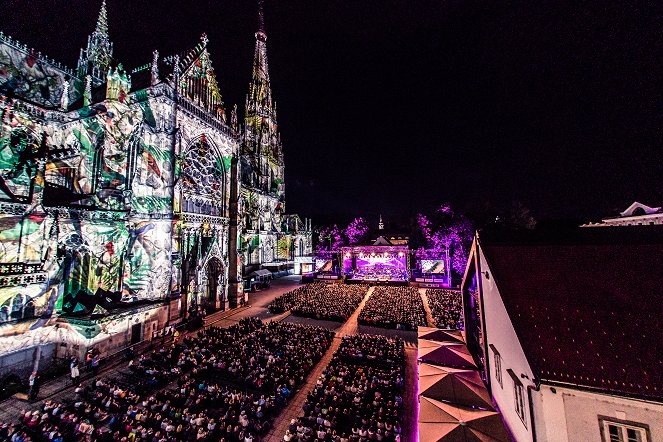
(215, 288)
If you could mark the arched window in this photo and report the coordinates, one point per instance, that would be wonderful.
(204, 174)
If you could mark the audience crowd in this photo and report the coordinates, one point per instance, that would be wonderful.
(335, 302)
(394, 307)
(446, 307)
(358, 397)
(222, 385)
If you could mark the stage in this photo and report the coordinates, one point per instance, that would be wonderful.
(383, 265)
(376, 265)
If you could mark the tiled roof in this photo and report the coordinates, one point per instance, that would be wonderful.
(586, 304)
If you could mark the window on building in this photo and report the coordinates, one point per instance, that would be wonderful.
(518, 396)
(617, 430)
(498, 365)
(520, 399)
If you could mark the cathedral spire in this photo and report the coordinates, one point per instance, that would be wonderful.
(97, 57)
(260, 92)
(261, 18)
(261, 135)
(102, 21)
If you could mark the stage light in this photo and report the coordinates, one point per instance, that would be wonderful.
(400, 254)
(347, 255)
(373, 254)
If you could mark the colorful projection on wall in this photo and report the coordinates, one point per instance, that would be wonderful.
(432, 266)
(203, 174)
(75, 244)
(23, 74)
(284, 247)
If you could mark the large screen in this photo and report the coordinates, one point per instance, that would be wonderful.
(432, 265)
(323, 265)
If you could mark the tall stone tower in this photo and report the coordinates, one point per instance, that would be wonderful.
(96, 59)
(262, 142)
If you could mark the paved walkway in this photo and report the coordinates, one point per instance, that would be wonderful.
(429, 314)
(294, 408)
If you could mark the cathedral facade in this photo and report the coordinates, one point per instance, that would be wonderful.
(129, 198)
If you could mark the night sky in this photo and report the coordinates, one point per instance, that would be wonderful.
(395, 106)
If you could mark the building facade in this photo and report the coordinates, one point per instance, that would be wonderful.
(120, 197)
(637, 214)
(566, 331)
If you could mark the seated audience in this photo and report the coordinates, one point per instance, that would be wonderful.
(446, 307)
(223, 384)
(394, 307)
(335, 302)
(359, 396)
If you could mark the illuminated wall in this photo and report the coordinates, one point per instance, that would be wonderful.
(103, 203)
(33, 78)
(115, 191)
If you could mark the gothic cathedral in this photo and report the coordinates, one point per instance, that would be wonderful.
(128, 197)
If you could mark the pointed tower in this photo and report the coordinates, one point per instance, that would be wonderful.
(262, 144)
(96, 58)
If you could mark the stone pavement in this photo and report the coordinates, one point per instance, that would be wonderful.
(429, 314)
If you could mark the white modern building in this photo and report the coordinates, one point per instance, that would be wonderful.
(637, 214)
(566, 329)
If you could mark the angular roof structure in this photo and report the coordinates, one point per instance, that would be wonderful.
(586, 304)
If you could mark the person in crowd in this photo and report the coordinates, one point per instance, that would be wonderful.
(94, 364)
(33, 384)
(73, 368)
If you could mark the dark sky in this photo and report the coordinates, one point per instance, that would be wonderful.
(395, 106)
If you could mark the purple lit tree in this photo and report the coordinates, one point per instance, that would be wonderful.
(356, 231)
(330, 238)
(447, 229)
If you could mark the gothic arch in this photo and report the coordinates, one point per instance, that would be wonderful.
(214, 283)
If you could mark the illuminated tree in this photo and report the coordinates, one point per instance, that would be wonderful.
(447, 229)
(356, 231)
(330, 238)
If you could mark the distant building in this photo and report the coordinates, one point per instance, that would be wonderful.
(567, 330)
(637, 214)
(388, 236)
